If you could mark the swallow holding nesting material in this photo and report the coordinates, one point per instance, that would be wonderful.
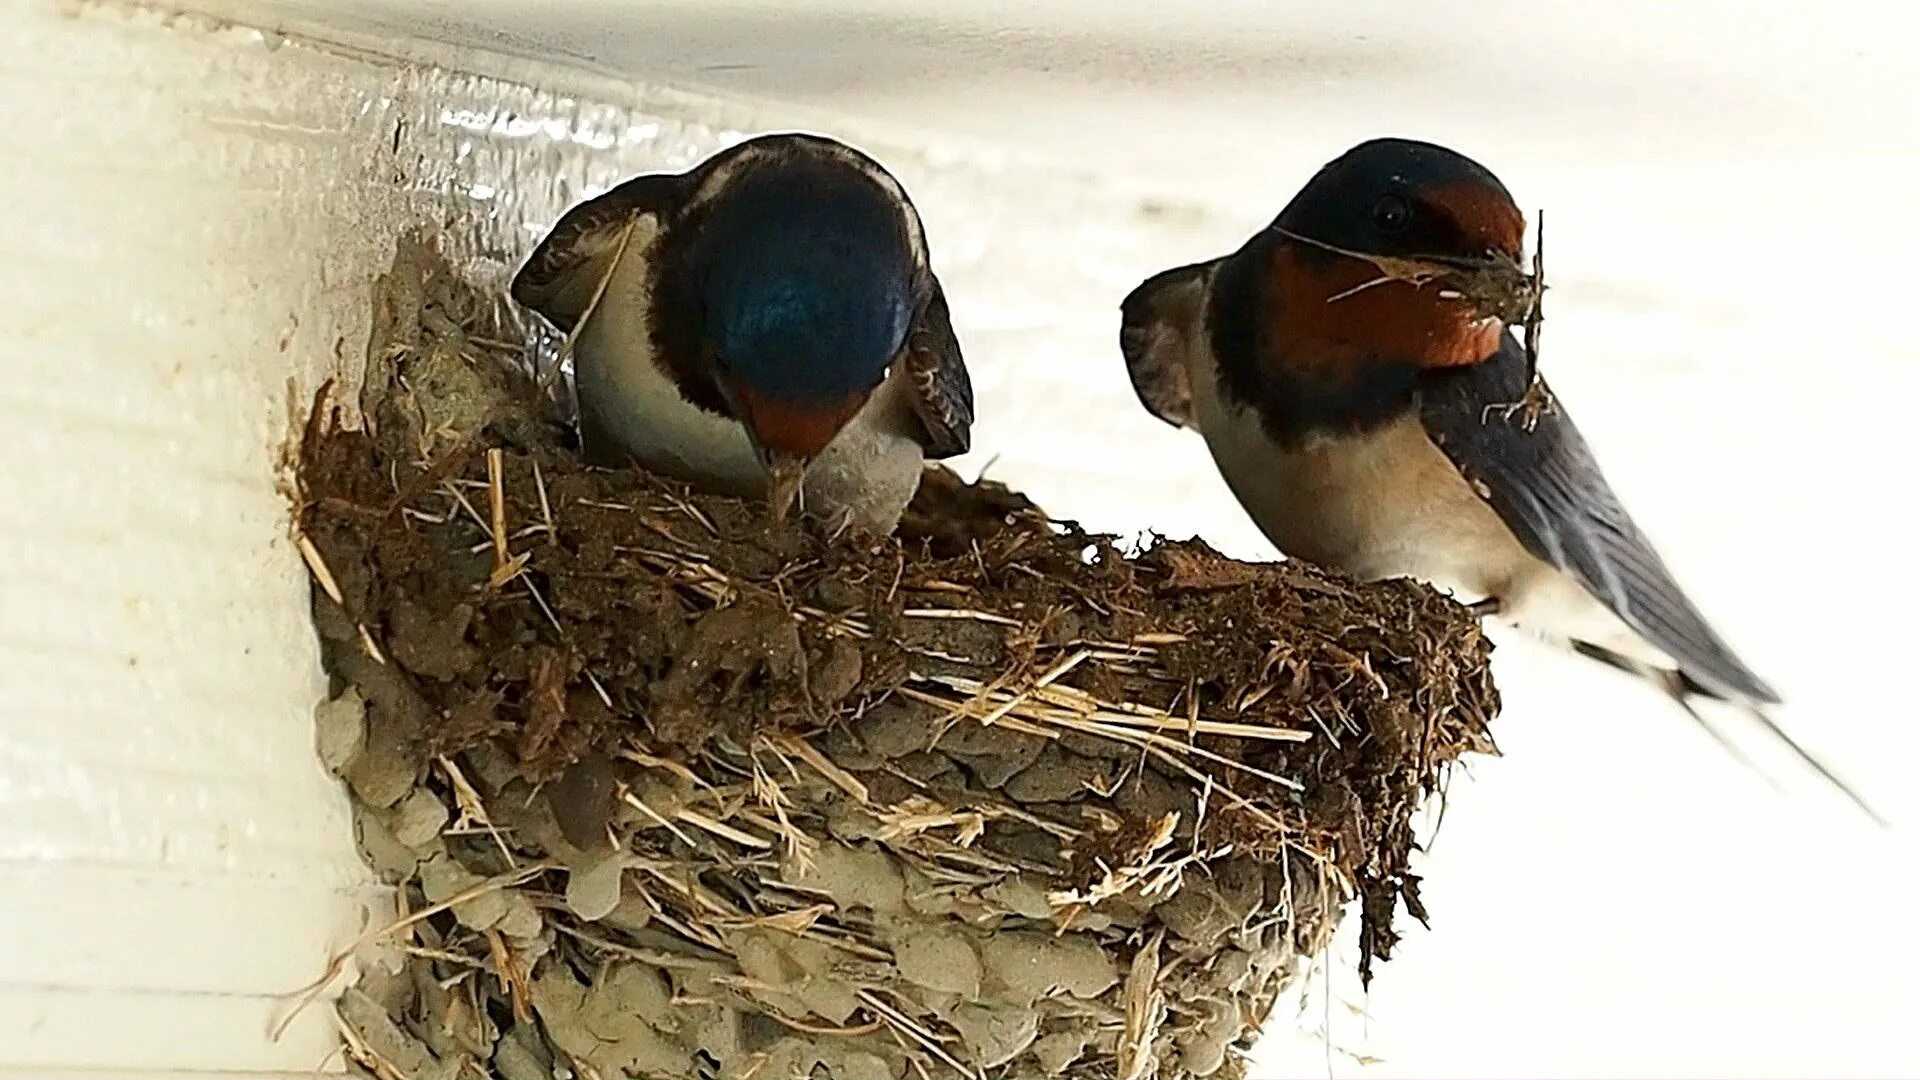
(764, 325)
(1352, 372)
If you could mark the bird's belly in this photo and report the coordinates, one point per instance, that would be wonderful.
(1390, 504)
(1382, 504)
(871, 469)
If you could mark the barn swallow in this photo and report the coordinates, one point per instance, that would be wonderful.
(764, 325)
(1353, 374)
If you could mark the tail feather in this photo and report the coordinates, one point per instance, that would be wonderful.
(1684, 689)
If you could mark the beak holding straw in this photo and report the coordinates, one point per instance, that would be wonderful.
(1495, 285)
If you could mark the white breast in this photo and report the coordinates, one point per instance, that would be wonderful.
(637, 404)
(1389, 504)
(1386, 503)
(868, 472)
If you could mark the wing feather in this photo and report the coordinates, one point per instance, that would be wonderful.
(559, 278)
(942, 391)
(1156, 321)
(1546, 485)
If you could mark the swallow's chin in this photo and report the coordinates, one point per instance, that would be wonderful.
(1438, 330)
(1469, 338)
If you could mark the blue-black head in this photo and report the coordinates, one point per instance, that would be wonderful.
(1396, 258)
(1405, 198)
(805, 276)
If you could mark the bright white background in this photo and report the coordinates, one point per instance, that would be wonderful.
(1733, 216)
(1732, 209)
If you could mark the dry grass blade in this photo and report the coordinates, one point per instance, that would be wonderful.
(512, 975)
(473, 809)
(654, 816)
(1042, 704)
(323, 577)
(797, 921)
(1537, 400)
(959, 613)
(363, 1054)
(565, 351)
(851, 1031)
(1538, 283)
(1493, 284)
(305, 996)
(903, 1023)
(769, 794)
(724, 830)
(317, 566)
(1417, 271)
(1046, 678)
(1146, 1009)
(497, 507)
(817, 761)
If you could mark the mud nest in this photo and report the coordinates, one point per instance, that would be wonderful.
(668, 793)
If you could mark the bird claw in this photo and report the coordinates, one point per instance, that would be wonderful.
(1537, 402)
(837, 525)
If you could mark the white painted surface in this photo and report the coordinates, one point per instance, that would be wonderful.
(1730, 207)
(195, 215)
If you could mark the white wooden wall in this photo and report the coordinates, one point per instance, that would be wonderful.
(191, 215)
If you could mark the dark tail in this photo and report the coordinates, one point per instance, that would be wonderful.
(1683, 689)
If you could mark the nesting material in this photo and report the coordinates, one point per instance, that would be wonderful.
(669, 793)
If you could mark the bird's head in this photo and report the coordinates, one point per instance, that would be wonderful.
(1399, 252)
(804, 267)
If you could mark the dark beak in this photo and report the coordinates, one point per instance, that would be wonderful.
(784, 477)
(785, 471)
(1497, 286)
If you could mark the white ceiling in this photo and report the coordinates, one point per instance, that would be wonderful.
(1232, 98)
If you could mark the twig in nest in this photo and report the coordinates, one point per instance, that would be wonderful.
(306, 995)
(473, 811)
(1494, 285)
(512, 975)
(1146, 1010)
(545, 382)
(901, 1022)
(1538, 400)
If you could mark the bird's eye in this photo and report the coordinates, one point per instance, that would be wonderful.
(1391, 213)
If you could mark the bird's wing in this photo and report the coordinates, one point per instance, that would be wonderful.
(1544, 483)
(1155, 321)
(561, 276)
(942, 392)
